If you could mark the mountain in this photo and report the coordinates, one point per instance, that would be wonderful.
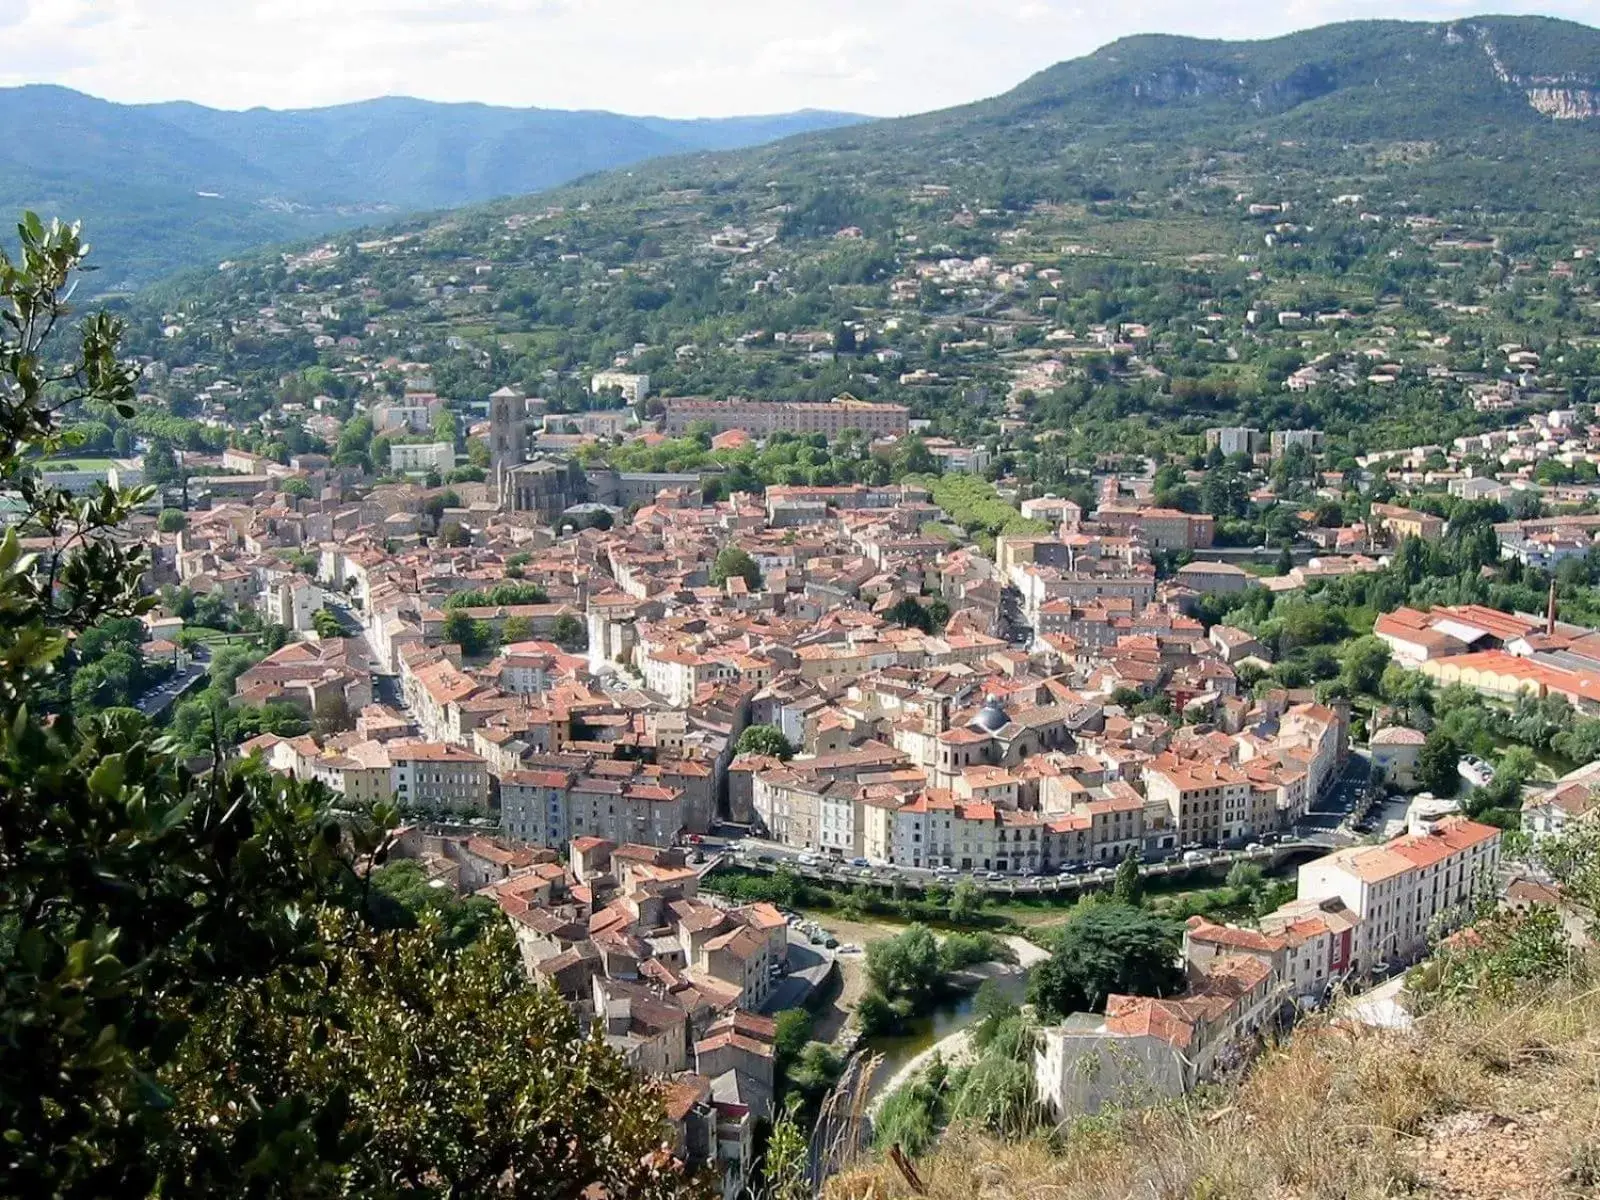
(1430, 178)
(169, 185)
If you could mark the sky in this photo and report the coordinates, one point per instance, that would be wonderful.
(677, 58)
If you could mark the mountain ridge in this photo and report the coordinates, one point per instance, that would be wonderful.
(172, 184)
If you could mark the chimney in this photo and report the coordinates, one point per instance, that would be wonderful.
(1550, 611)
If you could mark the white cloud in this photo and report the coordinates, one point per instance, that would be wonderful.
(677, 58)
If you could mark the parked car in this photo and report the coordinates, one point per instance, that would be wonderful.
(1193, 856)
(1475, 771)
(858, 862)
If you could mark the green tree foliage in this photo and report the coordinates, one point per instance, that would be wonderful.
(1437, 762)
(906, 967)
(966, 901)
(402, 896)
(410, 1070)
(731, 561)
(171, 520)
(473, 636)
(1363, 664)
(571, 634)
(325, 623)
(190, 999)
(793, 1031)
(764, 739)
(909, 613)
(1128, 887)
(1105, 949)
(973, 504)
(506, 594)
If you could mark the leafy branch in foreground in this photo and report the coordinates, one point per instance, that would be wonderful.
(195, 996)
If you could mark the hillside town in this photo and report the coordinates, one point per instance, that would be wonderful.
(585, 688)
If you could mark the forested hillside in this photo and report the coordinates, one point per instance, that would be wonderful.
(1164, 235)
(173, 185)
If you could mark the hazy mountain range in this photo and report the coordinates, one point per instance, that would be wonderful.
(1463, 106)
(162, 186)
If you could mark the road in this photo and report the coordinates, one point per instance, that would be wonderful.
(1339, 802)
(385, 687)
(759, 855)
(155, 702)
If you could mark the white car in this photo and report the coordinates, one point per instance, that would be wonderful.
(1475, 771)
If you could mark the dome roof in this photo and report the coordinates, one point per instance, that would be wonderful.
(991, 717)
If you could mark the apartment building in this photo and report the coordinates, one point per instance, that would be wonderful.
(1159, 528)
(624, 812)
(1206, 801)
(439, 775)
(761, 418)
(292, 602)
(1235, 439)
(1407, 888)
(409, 457)
(633, 386)
(533, 807)
(1146, 1049)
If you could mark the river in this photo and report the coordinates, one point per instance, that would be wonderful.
(905, 1054)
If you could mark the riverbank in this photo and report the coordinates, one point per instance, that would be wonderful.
(952, 1047)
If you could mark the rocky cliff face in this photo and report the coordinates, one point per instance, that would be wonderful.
(1566, 97)
(1566, 103)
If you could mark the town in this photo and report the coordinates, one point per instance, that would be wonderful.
(588, 691)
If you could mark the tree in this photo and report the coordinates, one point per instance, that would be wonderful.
(906, 967)
(569, 633)
(191, 998)
(1106, 949)
(914, 458)
(909, 613)
(790, 1037)
(874, 1014)
(1363, 664)
(171, 520)
(331, 715)
(966, 902)
(160, 463)
(516, 629)
(766, 740)
(403, 896)
(1437, 764)
(454, 533)
(1128, 888)
(296, 489)
(410, 1063)
(326, 624)
(731, 561)
(473, 636)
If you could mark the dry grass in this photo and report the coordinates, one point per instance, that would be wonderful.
(1499, 1102)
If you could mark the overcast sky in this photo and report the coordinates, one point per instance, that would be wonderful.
(676, 58)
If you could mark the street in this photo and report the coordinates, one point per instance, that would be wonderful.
(1338, 803)
(155, 702)
(759, 855)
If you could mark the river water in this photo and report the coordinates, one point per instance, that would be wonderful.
(925, 1032)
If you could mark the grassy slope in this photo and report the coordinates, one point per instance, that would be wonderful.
(1486, 1102)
